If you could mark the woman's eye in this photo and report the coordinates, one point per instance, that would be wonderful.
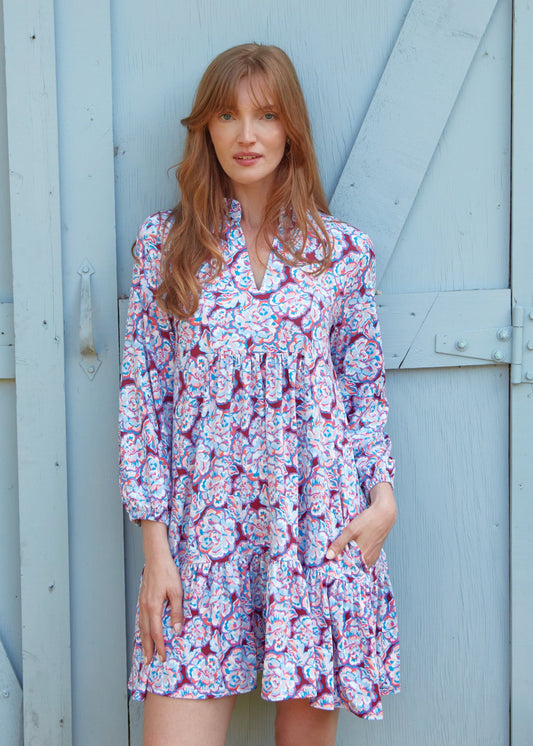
(270, 115)
(226, 116)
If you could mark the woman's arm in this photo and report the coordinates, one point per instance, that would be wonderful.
(160, 584)
(358, 360)
(146, 406)
(145, 412)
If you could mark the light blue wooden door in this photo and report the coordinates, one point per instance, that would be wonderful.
(410, 105)
(428, 178)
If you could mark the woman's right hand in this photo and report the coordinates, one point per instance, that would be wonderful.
(161, 584)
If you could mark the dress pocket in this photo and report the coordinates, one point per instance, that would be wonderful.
(354, 547)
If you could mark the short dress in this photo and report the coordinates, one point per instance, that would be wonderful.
(255, 430)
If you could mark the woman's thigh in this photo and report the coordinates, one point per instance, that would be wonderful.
(299, 724)
(169, 721)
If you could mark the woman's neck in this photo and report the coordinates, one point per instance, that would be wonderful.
(253, 203)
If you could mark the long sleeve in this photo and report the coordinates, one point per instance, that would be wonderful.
(358, 361)
(145, 414)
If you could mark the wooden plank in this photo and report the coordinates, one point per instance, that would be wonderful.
(407, 116)
(10, 702)
(85, 111)
(10, 662)
(411, 321)
(521, 394)
(38, 315)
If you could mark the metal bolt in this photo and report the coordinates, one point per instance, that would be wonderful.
(529, 375)
(498, 356)
(91, 368)
(5, 693)
(504, 334)
(461, 344)
(530, 344)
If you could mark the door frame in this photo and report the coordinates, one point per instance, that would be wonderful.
(521, 396)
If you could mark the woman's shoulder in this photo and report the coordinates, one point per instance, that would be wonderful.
(349, 244)
(154, 229)
(147, 250)
(341, 231)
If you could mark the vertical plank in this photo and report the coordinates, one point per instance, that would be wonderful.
(10, 626)
(83, 61)
(522, 394)
(38, 316)
(407, 116)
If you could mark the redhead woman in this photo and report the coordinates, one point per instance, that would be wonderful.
(253, 450)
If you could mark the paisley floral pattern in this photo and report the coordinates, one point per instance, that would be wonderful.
(255, 430)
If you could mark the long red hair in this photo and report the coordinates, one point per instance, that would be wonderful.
(297, 197)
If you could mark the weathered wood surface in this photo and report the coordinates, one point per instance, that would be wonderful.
(83, 38)
(41, 423)
(407, 116)
(522, 394)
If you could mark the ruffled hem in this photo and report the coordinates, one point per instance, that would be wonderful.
(326, 633)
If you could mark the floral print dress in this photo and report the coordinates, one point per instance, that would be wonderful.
(254, 430)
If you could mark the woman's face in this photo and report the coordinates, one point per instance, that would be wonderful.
(250, 141)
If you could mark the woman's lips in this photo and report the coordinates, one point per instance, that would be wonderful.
(246, 159)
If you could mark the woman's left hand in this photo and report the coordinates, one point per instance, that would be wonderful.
(370, 528)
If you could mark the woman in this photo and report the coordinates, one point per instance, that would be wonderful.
(252, 443)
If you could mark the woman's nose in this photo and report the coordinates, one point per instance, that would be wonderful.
(246, 130)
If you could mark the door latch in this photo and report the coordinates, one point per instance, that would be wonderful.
(89, 359)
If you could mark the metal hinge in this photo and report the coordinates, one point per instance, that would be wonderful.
(511, 345)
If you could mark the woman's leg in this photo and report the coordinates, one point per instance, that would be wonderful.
(299, 724)
(169, 721)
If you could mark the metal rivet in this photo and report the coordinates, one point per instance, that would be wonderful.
(530, 344)
(498, 356)
(461, 344)
(531, 315)
(529, 375)
(85, 269)
(91, 368)
(5, 693)
(504, 334)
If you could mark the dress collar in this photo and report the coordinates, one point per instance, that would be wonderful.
(234, 211)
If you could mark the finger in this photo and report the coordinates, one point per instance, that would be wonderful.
(147, 644)
(337, 546)
(156, 632)
(175, 597)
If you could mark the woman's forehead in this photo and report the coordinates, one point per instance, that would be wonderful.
(254, 86)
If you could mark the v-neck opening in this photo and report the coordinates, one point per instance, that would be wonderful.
(251, 269)
(234, 227)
